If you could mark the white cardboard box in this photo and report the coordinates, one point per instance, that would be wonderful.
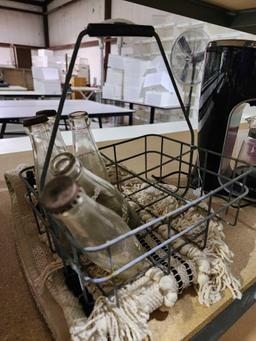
(132, 94)
(161, 99)
(112, 91)
(49, 87)
(115, 76)
(44, 52)
(45, 73)
(133, 80)
(116, 61)
(83, 70)
(48, 61)
(158, 79)
(135, 66)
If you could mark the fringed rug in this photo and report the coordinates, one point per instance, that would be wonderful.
(208, 271)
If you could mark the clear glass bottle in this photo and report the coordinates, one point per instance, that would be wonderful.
(91, 224)
(95, 187)
(51, 114)
(247, 154)
(37, 129)
(85, 147)
(247, 151)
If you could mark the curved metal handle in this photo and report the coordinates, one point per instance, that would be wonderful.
(120, 30)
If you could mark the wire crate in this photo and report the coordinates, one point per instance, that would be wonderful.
(149, 160)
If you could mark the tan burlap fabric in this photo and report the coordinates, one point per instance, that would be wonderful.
(41, 268)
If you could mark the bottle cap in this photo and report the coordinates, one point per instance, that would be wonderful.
(80, 115)
(48, 113)
(28, 122)
(60, 194)
(63, 163)
(252, 133)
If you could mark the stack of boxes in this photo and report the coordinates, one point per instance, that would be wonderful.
(113, 88)
(46, 72)
(134, 73)
(139, 81)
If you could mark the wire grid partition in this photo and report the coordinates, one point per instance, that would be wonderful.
(144, 159)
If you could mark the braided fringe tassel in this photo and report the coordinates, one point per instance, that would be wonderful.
(213, 264)
(128, 321)
(221, 277)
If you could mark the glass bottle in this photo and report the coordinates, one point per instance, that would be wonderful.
(91, 224)
(95, 187)
(37, 129)
(85, 147)
(51, 114)
(247, 153)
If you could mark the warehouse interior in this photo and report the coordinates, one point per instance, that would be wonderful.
(136, 101)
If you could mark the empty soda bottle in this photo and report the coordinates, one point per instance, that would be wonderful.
(85, 147)
(37, 128)
(92, 224)
(51, 115)
(95, 187)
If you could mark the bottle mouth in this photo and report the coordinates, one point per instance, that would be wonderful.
(79, 115)
(60, 194)
(62, 163)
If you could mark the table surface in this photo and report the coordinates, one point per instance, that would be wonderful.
(187, 317)
(85, 88)
(14, 88)
(22, 144)
(174, 106)
(10, 109)
(24, 93)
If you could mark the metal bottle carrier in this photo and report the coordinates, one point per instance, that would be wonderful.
(161, 158)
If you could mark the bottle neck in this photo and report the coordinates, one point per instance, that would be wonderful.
(82, 137)
(39, 135)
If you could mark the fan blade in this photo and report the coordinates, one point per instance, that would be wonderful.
(198, 58)
(184, 72)
(184, 45)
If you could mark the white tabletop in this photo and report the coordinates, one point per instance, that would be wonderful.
(19, 93)
(85, 88)
(22, 144)
(163, 107)
(10, 88)
(27, 108)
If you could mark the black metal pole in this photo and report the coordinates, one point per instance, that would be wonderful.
(185, 113)
(175, 87)
(60, 107)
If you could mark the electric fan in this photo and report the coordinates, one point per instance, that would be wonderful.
(187, 58)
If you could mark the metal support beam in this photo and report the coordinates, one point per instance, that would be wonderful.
(245, 21)
(8, 45)
(89, 43)
(107, 15)
(46, 27)
(195, 9)
(7, 8)
(29, 2)
(71, 2)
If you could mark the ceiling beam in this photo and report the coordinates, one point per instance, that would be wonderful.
(29, 2)
(68, 3)
(20, 10)
(90, 43)
(9, 45)
(245, 21)
(195, 9)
